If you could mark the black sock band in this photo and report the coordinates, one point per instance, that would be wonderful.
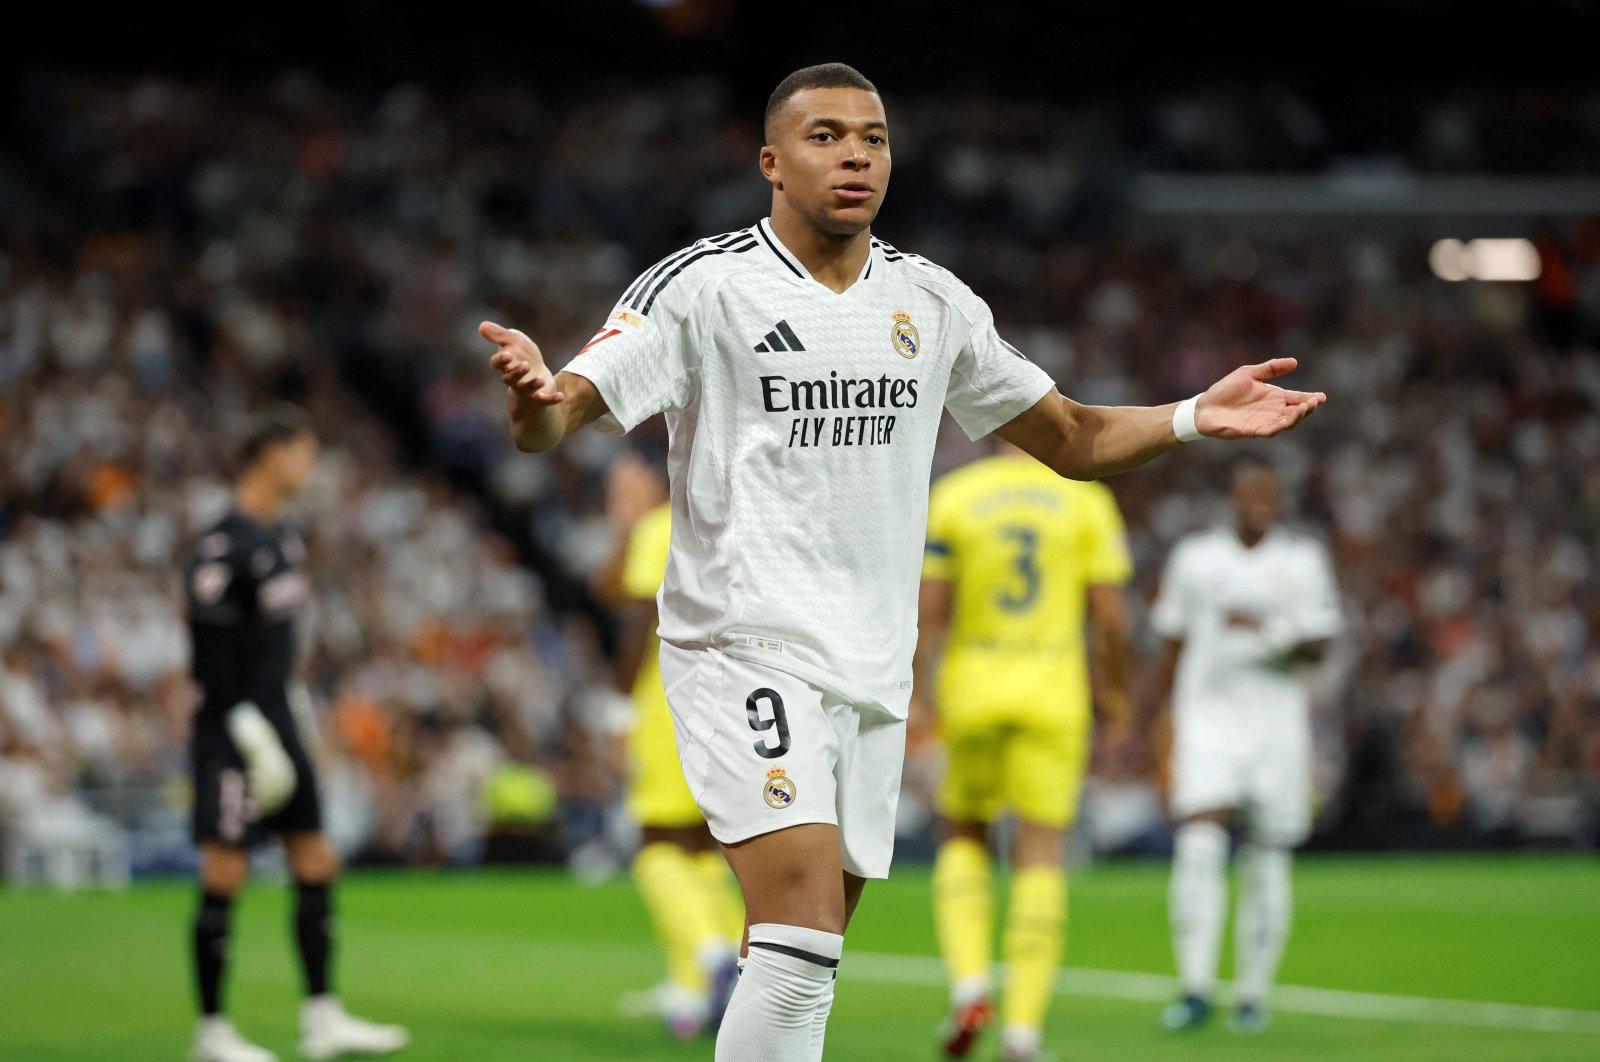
(798, 953)
(313, 932)
(211, 949)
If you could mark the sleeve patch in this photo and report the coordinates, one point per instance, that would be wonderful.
(210, 581)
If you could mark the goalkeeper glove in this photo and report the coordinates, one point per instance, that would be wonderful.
(267, 764)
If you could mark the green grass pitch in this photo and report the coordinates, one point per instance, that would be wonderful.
(530, 965)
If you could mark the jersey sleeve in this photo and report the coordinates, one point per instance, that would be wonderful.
(1173, 610)
(220, 593)
(1106, 558)
(938, 554)
(1319, 617)
(643, 359)
(645, 564)
(991, 382)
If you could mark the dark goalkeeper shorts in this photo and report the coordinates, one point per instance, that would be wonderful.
(224, 812)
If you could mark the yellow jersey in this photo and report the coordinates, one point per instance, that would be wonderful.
(1021, 546)
(657, 793)
(643, 568)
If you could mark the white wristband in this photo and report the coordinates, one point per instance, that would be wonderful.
(1183, 420)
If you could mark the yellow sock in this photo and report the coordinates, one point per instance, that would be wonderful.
(727, 908)
(672, 893)
(1036, 931)
(963, 911)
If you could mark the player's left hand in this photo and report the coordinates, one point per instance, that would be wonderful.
(269, 771)
(1242, 405)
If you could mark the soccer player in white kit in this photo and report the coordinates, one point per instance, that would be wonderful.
(803, 367)
(1243, 610)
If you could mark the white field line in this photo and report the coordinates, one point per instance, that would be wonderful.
(1293, 999)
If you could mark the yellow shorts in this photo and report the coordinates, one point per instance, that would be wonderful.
(1031, 767)
(657, 793)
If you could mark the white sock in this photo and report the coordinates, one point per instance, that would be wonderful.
(1021, 1040)
(788, 975)
(969, 990)
(1266, 905)
(1198, 902)
(819, 1020)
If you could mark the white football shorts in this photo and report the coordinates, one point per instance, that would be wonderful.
(1256, 763)
(763, 750)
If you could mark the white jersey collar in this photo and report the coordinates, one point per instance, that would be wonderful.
(788, 258)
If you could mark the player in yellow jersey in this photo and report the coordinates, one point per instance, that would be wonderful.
(1016, 557)
(680, 873)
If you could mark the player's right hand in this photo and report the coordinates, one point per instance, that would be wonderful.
(521, 364)
(267, 766)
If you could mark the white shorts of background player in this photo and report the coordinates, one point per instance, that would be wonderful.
(1252, 758)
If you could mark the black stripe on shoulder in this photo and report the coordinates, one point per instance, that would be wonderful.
(645, 279)
(889, 253)
(893, 254)
(661, 285)
(779, 254)
(798, 953)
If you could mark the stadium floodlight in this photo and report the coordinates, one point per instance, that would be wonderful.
(1515, 260)
(1448, 260)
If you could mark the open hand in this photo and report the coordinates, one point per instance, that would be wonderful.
(1242, 405)
(521, 364)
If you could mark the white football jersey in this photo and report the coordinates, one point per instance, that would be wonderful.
(802, 425)
(1285, 582)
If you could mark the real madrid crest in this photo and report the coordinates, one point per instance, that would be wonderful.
(779, 790)
(906, 340)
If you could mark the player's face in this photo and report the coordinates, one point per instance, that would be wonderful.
(830, 157)
(1256, 499)
(293, 461)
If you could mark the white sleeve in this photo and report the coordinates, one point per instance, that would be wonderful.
(1318, 614)
(991, 382)
(1170, 614)
(643, 360)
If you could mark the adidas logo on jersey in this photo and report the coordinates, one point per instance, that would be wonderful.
(780, 338)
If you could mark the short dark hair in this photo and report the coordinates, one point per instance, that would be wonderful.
(277, 424)
(823, 75)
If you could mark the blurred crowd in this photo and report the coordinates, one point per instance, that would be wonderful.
(174, 254)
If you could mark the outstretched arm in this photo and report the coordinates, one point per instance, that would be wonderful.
(1089, 442)
(544, 407)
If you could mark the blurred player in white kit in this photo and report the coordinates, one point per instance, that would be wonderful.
(1244, 610)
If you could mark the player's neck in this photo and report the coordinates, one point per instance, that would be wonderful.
(1250, 538)
(833, 261)
(258, 499)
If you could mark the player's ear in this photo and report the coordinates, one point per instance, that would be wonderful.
(768, 163)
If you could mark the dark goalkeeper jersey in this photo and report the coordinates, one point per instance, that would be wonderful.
(244, 585)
